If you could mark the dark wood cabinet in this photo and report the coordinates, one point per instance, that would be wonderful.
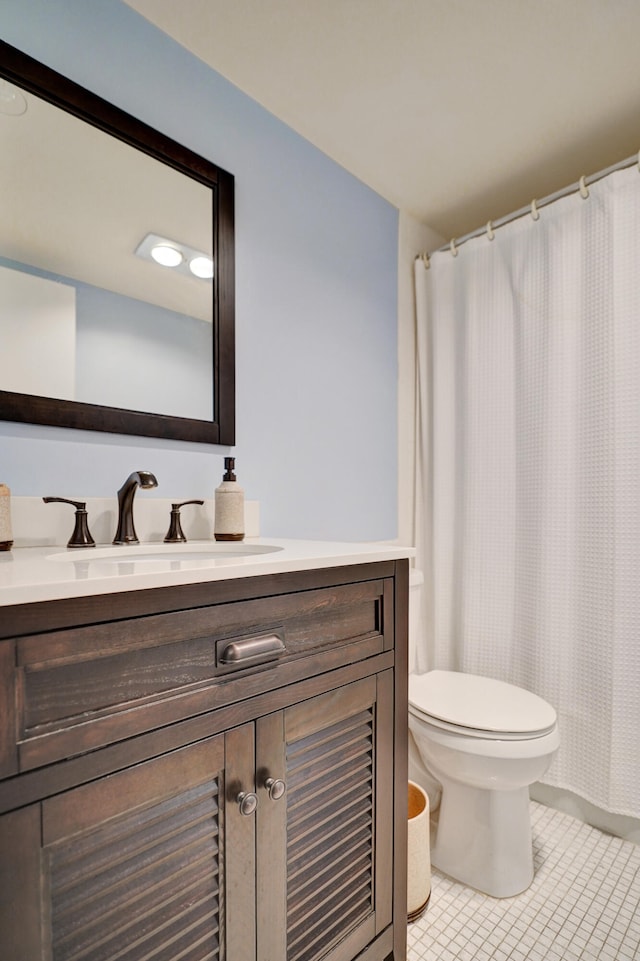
(164, 805)
(123, 866)
(324, 884)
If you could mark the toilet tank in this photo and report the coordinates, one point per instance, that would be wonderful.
(416, 580)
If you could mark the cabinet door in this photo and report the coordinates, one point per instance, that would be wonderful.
(324, 856)
(131, 866)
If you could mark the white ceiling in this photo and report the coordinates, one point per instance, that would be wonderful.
(458, 111)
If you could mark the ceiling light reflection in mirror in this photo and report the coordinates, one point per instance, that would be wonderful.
(177, 256)
(75, 205)
(13, 103)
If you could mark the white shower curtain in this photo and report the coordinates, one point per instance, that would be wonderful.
(528, 527)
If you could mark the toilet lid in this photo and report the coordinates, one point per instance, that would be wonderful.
(479, 703)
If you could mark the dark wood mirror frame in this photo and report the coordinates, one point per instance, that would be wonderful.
(34, 77)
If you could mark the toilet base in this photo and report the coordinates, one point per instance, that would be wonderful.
(483, 838)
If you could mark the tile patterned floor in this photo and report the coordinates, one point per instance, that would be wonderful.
(583, 905)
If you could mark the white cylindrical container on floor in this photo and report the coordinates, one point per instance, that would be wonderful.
(418, 853)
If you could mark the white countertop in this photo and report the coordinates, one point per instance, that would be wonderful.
(31, 574)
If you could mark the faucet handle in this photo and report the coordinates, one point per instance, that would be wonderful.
(81, 536)
(175, 534)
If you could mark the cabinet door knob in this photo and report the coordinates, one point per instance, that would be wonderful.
(248, 803)
(275, 787)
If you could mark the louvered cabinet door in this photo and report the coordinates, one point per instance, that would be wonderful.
(132, 866)
(325, 848)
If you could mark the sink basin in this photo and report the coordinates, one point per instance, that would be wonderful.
(164, 555)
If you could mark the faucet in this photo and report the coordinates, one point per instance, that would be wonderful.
(126, 533)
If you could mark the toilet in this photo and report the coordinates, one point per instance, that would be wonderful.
(479, 743)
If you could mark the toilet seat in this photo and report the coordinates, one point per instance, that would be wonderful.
(479, 707)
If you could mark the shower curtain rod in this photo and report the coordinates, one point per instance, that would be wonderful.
(534, 207)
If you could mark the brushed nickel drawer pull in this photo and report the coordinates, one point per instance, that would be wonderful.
(252, 650)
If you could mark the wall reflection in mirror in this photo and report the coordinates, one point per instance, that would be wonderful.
(83, 316)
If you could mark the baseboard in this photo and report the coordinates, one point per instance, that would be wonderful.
(620, 826)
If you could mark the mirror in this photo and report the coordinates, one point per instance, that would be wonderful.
(94, 332)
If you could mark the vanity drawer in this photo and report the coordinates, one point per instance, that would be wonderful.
(80, 689)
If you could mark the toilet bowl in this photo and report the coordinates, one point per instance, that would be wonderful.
(483, 834)
(482, 742)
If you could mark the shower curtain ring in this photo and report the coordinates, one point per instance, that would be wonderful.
(584, 190)
(535, 213)
(453, 248)
(490, 231)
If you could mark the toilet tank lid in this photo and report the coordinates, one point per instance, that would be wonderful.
(480, 703)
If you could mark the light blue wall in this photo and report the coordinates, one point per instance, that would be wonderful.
(316, 292)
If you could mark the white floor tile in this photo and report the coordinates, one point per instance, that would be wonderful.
(583, 904)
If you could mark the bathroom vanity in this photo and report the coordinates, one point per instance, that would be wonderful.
(204, 762)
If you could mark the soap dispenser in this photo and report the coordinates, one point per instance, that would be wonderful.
(229, 506)
(6, 535)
